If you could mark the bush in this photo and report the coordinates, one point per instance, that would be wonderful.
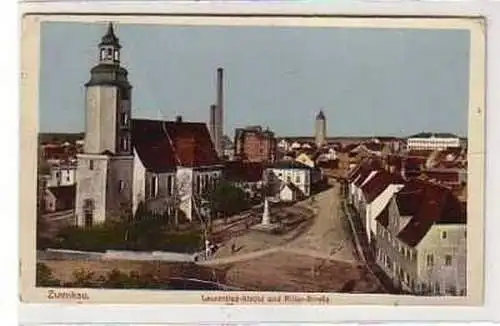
(44, 277)
(147, 234)
(117, 280)
(227, 199)
(97, 238)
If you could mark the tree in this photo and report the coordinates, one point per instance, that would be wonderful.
(227, 199)
(271, 184)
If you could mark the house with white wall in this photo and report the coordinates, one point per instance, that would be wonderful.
(62, 174)
(432, 141)
(297, 175)
(421, 240)
(375, 195)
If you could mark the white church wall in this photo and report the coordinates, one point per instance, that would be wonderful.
(91, 176)
(184, 181)
(139, 182)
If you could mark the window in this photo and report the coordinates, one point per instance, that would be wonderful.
(121, 185)
(430, 260)
(58, 175)
(124, 119)
(110, 51)
(117, 55)
(91, 164)
(198, 183)
(169, 185)
(154, 186)
(124, 144)
(297, 179)
(447, 260)
(444, 235)
(88, 212)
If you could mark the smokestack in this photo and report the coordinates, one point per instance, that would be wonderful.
(211, 122)
(219, 116)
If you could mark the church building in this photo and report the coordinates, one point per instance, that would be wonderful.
(164, 164)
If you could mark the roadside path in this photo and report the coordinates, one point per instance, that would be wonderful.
(326, 239)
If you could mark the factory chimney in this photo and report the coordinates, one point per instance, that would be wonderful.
(211, 122)
(219, 115)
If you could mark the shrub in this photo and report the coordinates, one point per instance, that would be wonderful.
(44, 277)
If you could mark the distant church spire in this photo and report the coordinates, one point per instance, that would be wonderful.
(320, 116)
(320, 129)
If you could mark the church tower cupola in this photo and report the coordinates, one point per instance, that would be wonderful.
(109, 48)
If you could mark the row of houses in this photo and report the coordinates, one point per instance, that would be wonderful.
(415, 227)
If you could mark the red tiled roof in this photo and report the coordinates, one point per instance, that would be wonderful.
(436, 205)
(164, 145)
(409, 197)
(153, 145)
(244, 171)
(362, 177)
(376, 185)
(364, 168)
(354, 173)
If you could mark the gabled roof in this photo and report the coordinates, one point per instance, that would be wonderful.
(291, 186)
(362, 177)
(408, 198)
(377, 184)
(164, 145)
(436, 205)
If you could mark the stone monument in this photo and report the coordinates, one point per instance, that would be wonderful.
(265, 224)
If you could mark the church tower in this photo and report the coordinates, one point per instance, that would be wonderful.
(320, 129)
(105, 169)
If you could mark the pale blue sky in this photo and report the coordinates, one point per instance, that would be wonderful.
(368, 81)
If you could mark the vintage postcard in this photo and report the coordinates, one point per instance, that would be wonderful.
(252, 160)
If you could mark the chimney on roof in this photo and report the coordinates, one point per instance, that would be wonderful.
(178, 119)
(219, 114)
